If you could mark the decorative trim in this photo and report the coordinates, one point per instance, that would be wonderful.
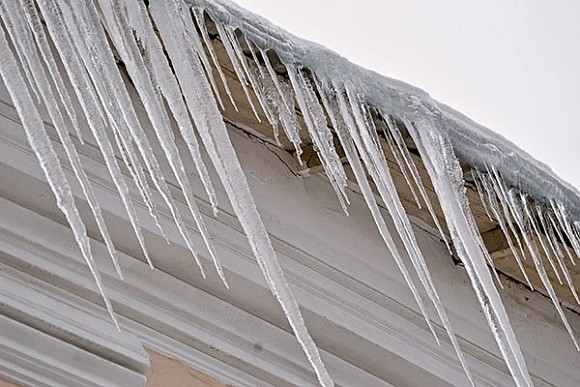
(34, 359)
(41, 274)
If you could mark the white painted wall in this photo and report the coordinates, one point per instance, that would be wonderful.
(355, 302)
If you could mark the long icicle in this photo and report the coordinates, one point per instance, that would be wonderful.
(284, 103)
(480, 192)
(500, 189)
(214, 134)
(49, 162)
(416, 176)
(402, 165)
(520, 217)
(199, 18)
(37, 28)
(381, 176)
(20, 32)
(82, 21)
(566, 226)
(484, 184)
(169, 87)
(249, 76)
(556, 252)
(360, 175)
(539, 237)
(239, 71)
(446, 175)
(130, 54)
(197, 47)
(91, 108)
(320, 135)
(556, 226)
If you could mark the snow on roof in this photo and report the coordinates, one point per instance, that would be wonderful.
(475, 144)
(167, 54)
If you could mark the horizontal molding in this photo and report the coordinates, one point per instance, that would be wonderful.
(177, 317)
(169, 306)
(35, 359)
(68, 318)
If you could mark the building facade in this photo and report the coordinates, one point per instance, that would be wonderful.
(177, 328)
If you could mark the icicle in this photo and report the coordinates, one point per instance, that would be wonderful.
(566, 226)
(136, 171)
(171, 91)
(354, 161)
(379, 171)
(473, 225)
(320, 134)
(283, 100)
(199, 18)
(416, 176)
(21, 55)
(37, 29)
(214, 135)
(82, 21)
(496, 192)
(274, 78)
(42, 147)
(556, 251)
(135, 65)
(197, 47)
(259, 88)
(20, 32)
(449, 153)
(230, 50)
(519, 216)
(248, 73)
(370, 124)
(479, 188)
(485, 184)
(131, 160)
(446, 175)
(92, 109)
(241, 67)
(402, 166)
(556, 227)
(271, 98)
(501, 193)
(547, 226)
(252, 50)
(538, 234)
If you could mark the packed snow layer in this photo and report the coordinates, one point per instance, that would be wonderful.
(168, 55)
(473, 143)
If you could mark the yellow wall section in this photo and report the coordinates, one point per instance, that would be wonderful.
(4, 383)
(165, 371)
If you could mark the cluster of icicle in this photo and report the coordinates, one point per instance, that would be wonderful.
(172, 64)
(525, 224)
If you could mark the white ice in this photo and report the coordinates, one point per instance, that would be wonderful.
(183, 79)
